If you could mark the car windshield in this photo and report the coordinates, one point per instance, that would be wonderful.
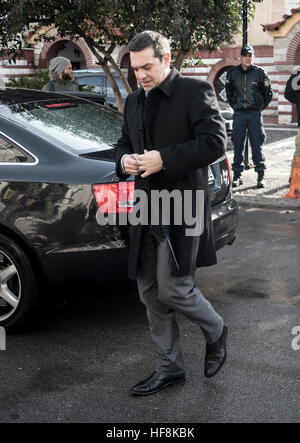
(72, 124)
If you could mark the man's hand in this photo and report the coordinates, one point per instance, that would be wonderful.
(150, 162)
(131, 165)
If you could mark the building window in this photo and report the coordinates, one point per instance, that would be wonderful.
(291, 4)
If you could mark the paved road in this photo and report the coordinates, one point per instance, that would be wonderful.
(79, 363)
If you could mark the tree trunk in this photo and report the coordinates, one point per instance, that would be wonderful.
(103, 62)
(115, 88)
(121, 75)
(180, 59)
(131, 83)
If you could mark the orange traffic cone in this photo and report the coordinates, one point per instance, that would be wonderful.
(294, 191)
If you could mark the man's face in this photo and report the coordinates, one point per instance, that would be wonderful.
(68, 73)
(150, 71)
(247, 60)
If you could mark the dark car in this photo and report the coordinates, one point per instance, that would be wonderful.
(56, 169)
(227, 114)
(92, 96)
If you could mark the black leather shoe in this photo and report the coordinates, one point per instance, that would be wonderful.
(155, 383)
(237, 180)
(216, 354)
(261, 179)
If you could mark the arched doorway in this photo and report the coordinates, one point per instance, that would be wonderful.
(286, 35)
(217, 75)
(297, 56)
(76, 50)
(125, 61)
(68, 49)
(220, 83)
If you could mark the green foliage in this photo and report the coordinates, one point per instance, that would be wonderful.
(192, 62)
(36, 82)
(191, 25)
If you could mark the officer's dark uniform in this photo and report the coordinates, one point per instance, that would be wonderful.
(248, 93)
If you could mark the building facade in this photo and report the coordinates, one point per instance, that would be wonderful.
(274, 33)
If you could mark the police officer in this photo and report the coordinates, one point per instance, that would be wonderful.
(249, 92)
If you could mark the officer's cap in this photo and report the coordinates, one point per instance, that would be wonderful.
(247, 49)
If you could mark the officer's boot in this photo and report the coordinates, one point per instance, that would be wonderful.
(237, 179)
(260, 179)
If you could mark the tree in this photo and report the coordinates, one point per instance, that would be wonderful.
(202, 25)
(198, 25)
(191, 25)
(98, 22)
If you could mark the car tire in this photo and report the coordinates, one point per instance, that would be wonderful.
(18, 287)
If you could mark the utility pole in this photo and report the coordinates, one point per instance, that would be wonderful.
(245, 42)
(245, 22)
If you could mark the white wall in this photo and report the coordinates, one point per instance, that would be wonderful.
(291, 4)
(267, 12)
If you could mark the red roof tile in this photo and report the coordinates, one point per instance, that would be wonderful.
(277, 26)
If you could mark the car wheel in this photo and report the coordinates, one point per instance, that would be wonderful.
(17, 285)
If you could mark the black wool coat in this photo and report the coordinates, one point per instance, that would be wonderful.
(292, 90)
(181, 119)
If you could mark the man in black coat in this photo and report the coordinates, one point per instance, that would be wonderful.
(292, 94)
(172, 131)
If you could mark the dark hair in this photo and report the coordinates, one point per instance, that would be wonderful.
(148, 39)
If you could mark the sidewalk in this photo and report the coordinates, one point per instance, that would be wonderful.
(278, 159)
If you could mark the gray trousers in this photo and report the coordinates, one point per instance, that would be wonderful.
(163, 295)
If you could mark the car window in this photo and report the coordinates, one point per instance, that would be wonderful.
(101, 85)
(98, 83)
(73, 124)
(110, 93)
(11, 154)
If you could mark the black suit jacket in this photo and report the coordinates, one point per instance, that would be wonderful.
(292, 90)
(181, 119)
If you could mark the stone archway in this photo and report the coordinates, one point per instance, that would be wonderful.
(286, 36)
(220, 83)
(226, 62)
(51, 49)
(125, 62)
(293, 52)
(122, 57)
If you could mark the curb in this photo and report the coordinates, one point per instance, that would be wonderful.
(268, 202)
